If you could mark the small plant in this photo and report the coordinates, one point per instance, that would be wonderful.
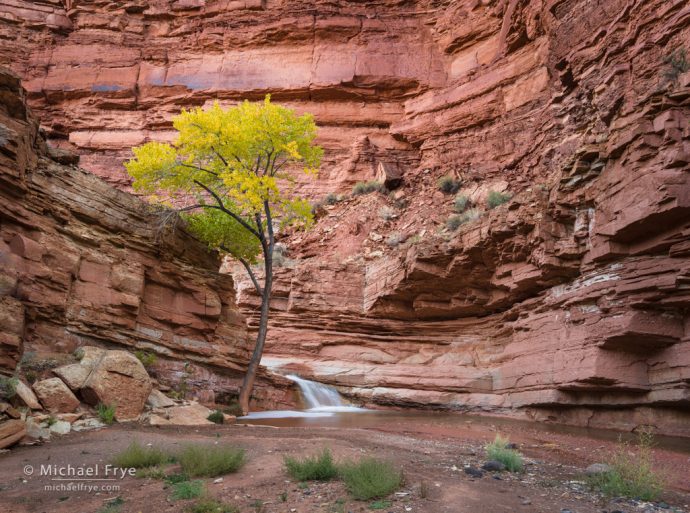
(499, 450)
(187, 490)
(362, 188)
(380, 504)
(152, 473)
(632, 472)
(113, 506)
(136, 456)
(332, 199)
(258, 505)
(677, 63)
(312, 468)
(208, 505)
(106, 412)
(50, 421)
(283, 497)
(8, 386)
(395, 239)
(415, 239)
(370, 478)
(78, 354)
(496, 198)
(173, 479)
(233, 409)
(31, 376)
(424, 489)
(216, 417)
(147, 359)
(457, 220)
(387, 213)
(449, 185)
(210, 460)
(461, 203)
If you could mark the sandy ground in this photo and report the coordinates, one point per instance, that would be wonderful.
(427, 453)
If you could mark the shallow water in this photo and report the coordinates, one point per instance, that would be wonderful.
(439, 422)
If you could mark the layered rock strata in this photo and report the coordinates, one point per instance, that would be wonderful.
(568, 303)
(82, 263)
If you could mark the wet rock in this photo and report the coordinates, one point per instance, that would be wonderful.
(11, 431)
(493, 466)
(55, 396)
(473, 471)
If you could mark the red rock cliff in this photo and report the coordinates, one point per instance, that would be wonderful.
(570, 302)
(82, 263)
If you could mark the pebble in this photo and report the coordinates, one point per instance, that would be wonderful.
(493, 466)
(474, 472)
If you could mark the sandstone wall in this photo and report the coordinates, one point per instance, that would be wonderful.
(82, 263)
(569, 303)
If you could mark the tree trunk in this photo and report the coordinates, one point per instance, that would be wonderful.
(250, 376)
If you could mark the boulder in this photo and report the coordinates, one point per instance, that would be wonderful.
(597, 468)
(118, 378)
(76, 374)
(26, 396)
(158, 399)
(10, 411)
(55, 396)
(11, 431)
(35, 430)
(191, 415)
(60, 427)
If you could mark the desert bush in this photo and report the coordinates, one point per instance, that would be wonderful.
(361, 188)
(78, 353)
(395, 239)
(147, 359)
(332, 199)
(208, 505)
(496, 198)
(8, 386)
(319, 467)
(106, 412)
(51, 420)
(448, 185)
(216, 417)
(677, 63)
(210, 460)
(137, 456)
(499, 450)
(632, 472)
(370, 478)
(461, 203)
(456, 220)
(386, 213)
(187, 490)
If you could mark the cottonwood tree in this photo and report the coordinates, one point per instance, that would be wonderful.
(232, 170)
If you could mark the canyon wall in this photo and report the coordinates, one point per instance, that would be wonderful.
(568, 303)
(82, 263)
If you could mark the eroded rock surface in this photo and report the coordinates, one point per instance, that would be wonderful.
(569, 302)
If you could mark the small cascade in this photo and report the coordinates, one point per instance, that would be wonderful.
(317, 395)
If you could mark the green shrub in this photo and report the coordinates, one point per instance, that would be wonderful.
(496, 198)
(370, 478)
(51, 420)
(106, 412)
(361, 188)
(632, 472)
(380, 505)
(8, 386)
(461, 203)
(136, 456)
(312, 468)
(386, 213)
(457, 220)
(208, 505)
(677, 63)
(78, 353)
(31, 376)
(210, 460)
(217, 417)
(395, 239)
(147, 359)
(187, 490)
(332, 199)
(498, 450)
(449, 185)
(233, 408)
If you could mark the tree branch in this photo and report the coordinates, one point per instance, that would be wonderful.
(221, 207)
(198, 168)
(252, 276)
(222, 159)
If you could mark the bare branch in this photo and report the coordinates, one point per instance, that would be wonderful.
(222, 159)
(199, 168)
(252, 276)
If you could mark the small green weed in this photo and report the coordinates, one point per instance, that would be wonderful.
(370, 478)
(498, 450)
(312, 468)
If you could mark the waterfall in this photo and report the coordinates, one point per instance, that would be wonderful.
(317, 395)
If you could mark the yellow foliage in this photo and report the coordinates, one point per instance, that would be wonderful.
(238, 153)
